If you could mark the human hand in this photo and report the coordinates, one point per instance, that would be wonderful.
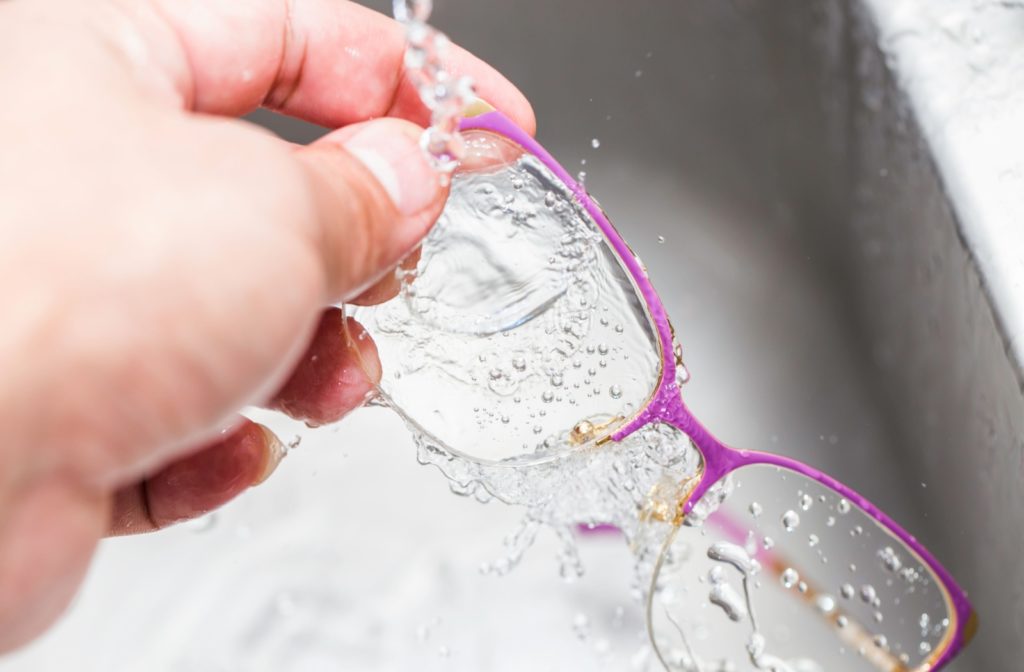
(165, 264)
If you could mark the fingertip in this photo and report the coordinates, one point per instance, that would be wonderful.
(376, 196)
(336, 375)
(200, 483)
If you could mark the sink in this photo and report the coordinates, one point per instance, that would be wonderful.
(768, 164)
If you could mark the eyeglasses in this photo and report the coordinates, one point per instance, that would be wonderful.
(526, 333)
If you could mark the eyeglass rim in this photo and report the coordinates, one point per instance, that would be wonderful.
(666, 404)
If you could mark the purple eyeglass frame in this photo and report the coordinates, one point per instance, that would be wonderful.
(666, 404)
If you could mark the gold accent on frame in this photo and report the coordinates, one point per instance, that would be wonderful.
(585, 431)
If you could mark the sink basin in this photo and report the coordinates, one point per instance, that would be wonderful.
(766, 162)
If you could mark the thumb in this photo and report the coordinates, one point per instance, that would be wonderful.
(375, 195)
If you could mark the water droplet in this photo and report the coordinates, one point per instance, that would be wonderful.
(826, 604)
(846, 591)
(769, 543)
(924, 648)
(868, 594)
(547, 396)
(549, 199)
(842, 621)
(519, 363)
(602, 349)
(581, 176)
(843, 506)
(202, 523)
(537, 429)
(812, 540)
(615, 391)
(595, 143)
(661, 239)
(881, 642)
(726, 598)
(805, 502)
(496, 374)
(581, 626)
(789, 577)
(734, 555)
(790, 520)
(755, 509)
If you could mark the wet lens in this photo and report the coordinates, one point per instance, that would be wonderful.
(788, 575)
(517, 331)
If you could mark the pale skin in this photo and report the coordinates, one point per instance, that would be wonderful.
(165, 264)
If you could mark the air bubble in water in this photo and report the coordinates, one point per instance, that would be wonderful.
(661, 239)
(519, 363)
(755, 509)
(790, 520)
(595, 143)
(806, 501)
(843, 506)
(868, 594)
(890, 559)
(847, 591)
(615, 391)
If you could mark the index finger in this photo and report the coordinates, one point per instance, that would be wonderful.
(330, 62)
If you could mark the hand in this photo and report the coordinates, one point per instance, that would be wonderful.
(164, 264)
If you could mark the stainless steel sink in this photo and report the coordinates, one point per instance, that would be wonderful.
(818, 276)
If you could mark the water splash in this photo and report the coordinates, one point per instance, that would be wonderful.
(445, 95)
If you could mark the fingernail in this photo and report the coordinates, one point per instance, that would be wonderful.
(391, 152)
(275, 453)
